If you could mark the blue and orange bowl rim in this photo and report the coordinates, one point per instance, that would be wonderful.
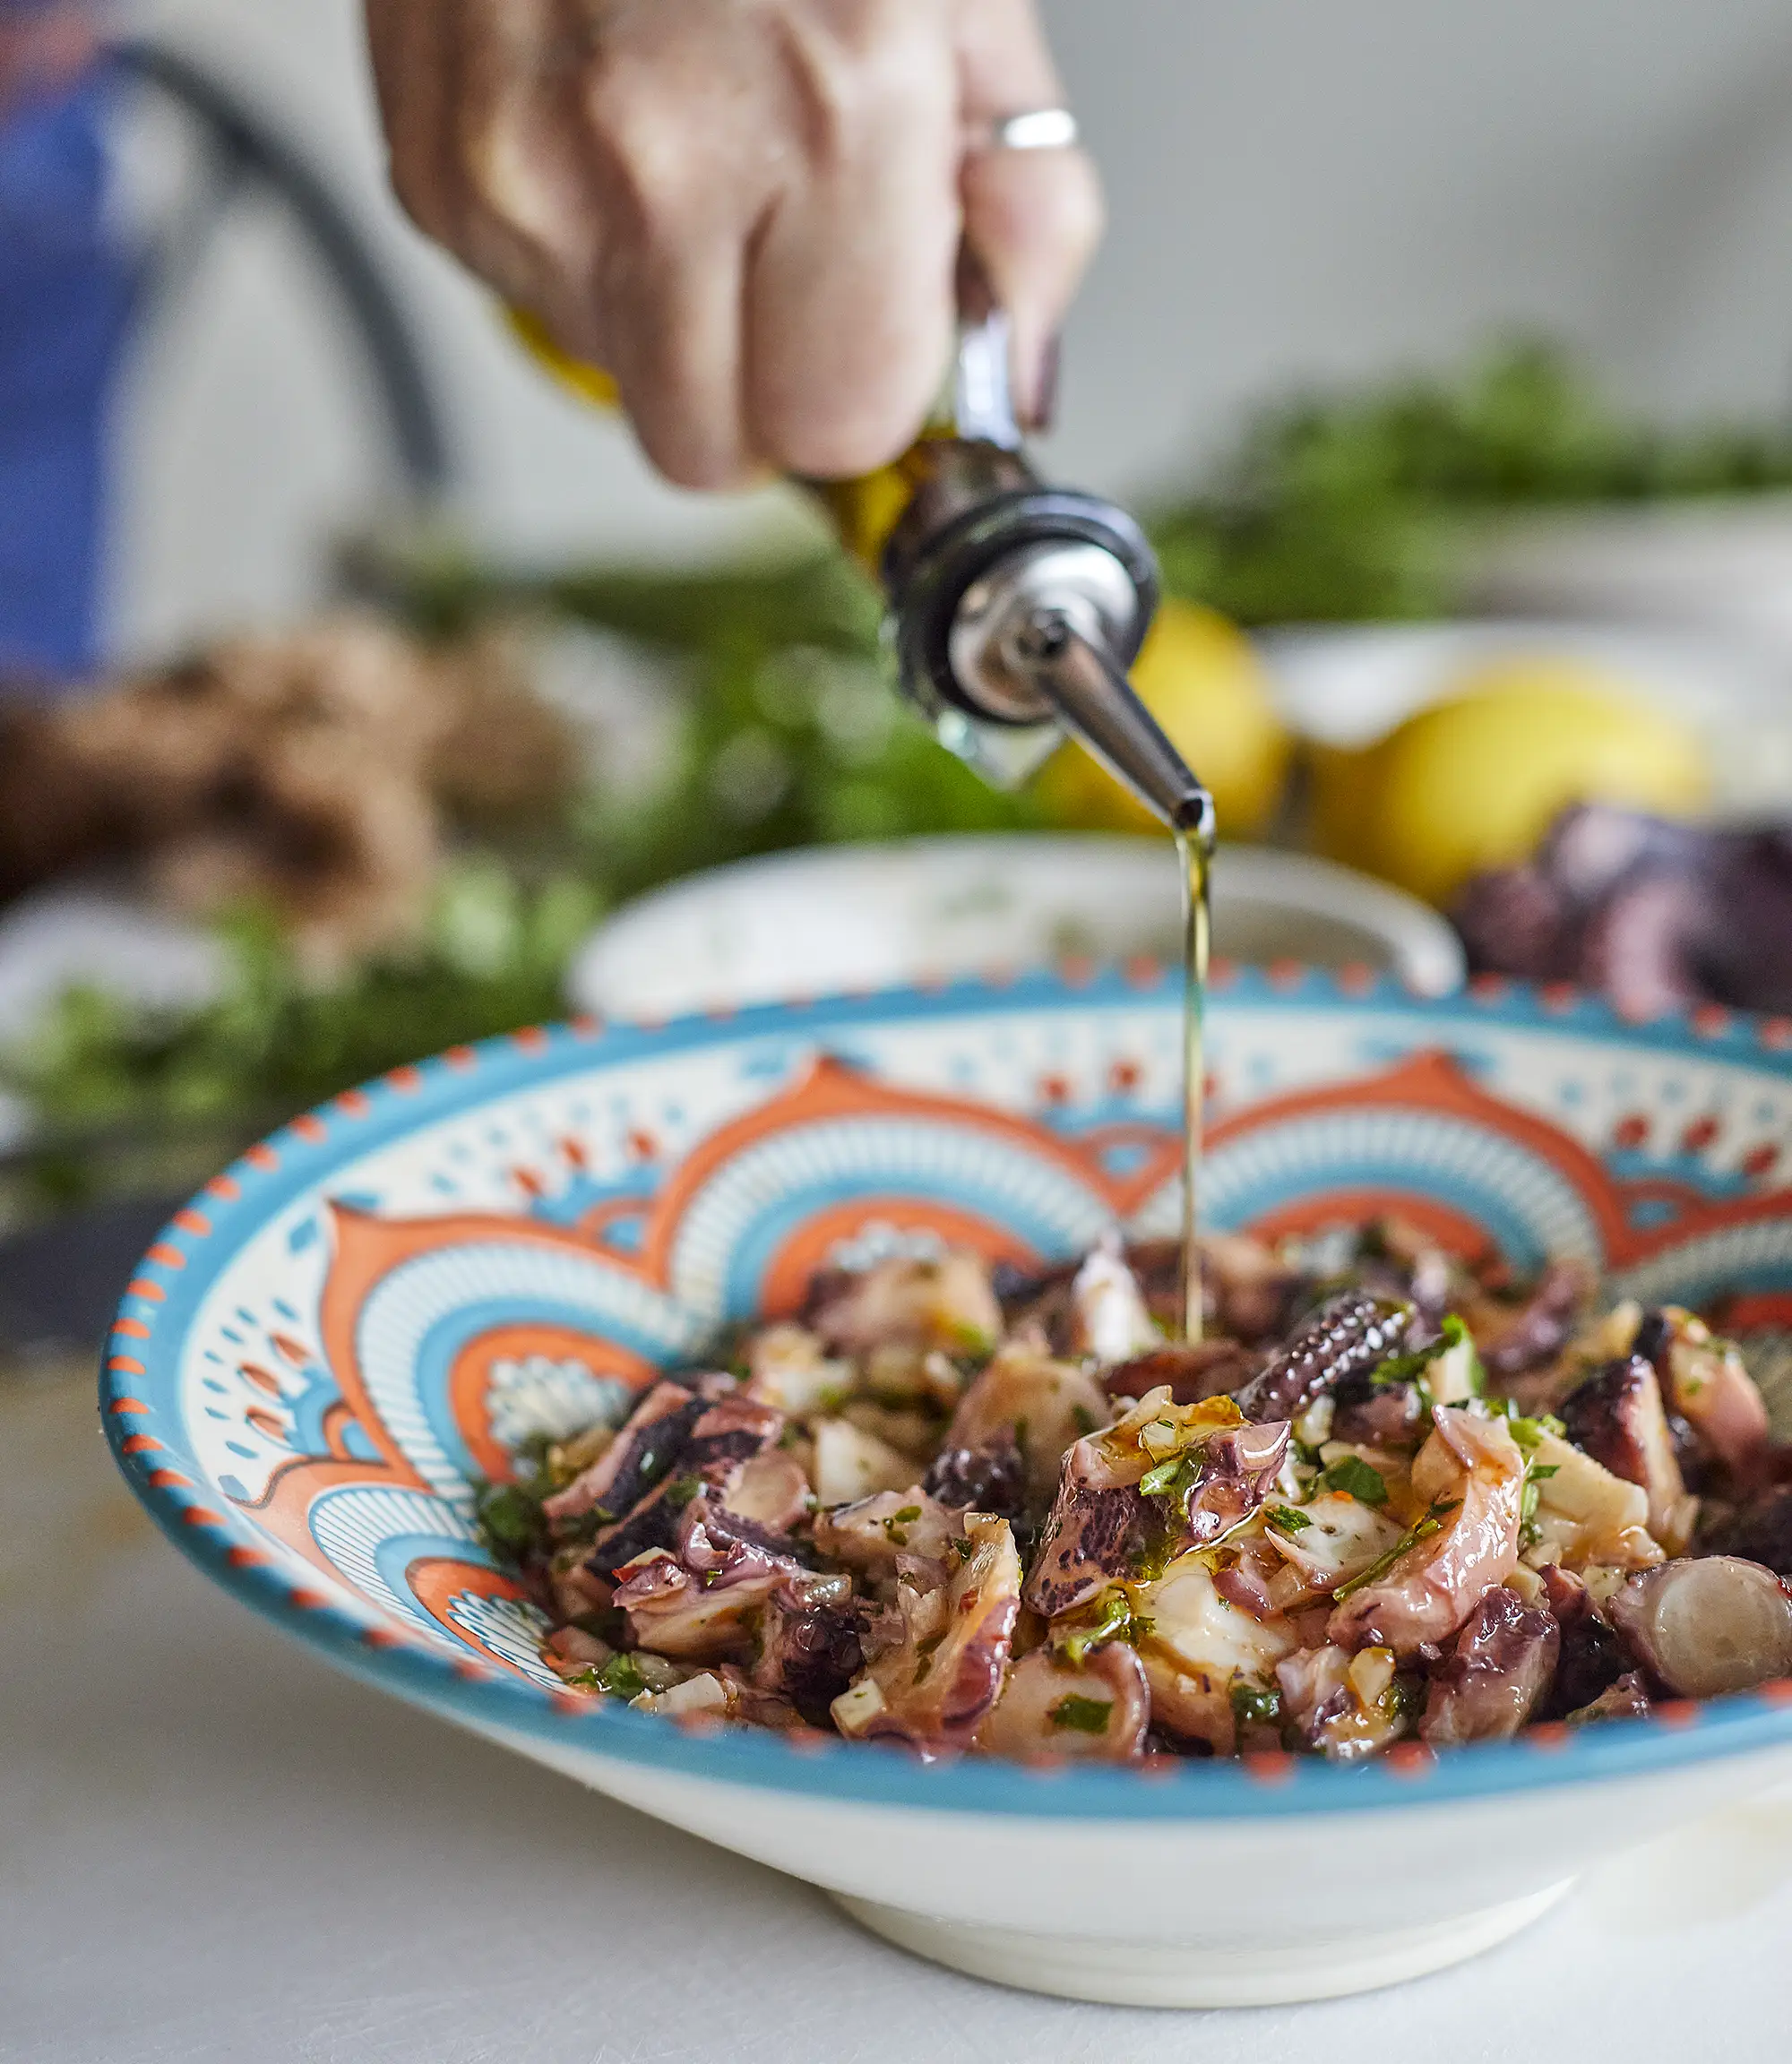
(138, 1403)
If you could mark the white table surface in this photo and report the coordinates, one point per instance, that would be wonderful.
(214, 1847)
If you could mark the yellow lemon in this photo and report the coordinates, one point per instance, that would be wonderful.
(1202, 680)
(1474, 781)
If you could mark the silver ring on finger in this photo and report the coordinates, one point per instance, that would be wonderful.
(1033, 129)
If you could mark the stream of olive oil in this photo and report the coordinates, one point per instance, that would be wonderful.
(1193, 860)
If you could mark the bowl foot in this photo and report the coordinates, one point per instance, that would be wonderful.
(1130, 1974)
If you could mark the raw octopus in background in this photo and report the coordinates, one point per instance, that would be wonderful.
(1653, 914)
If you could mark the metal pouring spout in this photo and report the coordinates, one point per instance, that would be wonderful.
(1097, 704)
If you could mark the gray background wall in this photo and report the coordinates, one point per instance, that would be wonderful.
(1299, 188)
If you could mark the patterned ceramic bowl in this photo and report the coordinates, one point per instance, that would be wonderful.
(372, 1310)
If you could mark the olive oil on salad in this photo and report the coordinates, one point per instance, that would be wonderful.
(1194, 857)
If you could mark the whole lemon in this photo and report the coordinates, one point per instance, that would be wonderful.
(1200, 678)
(1474, 781)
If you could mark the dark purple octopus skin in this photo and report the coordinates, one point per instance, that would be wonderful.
(1377, 1415)
(1192, 1371)
(1093, 1537)
(637, 1458)
(711, 1443)
(1590, 1658)
(1497, 1670)
(809, 1651)
(1759, 1532)
(1652, 914)
(1542, 1326)
(991, 1478)
(1617, 1416)
(1348, 1337)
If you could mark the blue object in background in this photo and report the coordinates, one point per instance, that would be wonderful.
(65, 303)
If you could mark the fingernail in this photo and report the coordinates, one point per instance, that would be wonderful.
(1043, 408)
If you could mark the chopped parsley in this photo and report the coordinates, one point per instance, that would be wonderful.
(1256, 1705)
(1085, 1715)
(1116, 1621)
(680, 1491)
(1413, 1367)
(1172, 1479)
(1527, 1432)
(898, 1524)
(1432, 1523)
(1350, 1473)
(621, 1677)
(1529, 1498)
(1286, 1518)
(510, 1519)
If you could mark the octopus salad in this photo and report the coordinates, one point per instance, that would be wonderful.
(1389, 1494)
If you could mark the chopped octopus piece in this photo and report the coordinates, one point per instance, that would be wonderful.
(1376, 1414)
(1197, 1646)
(1714, 1393)
(1706, 1626)
(1342, 1537)
(1348, 1337)
(881, 1536)
(771, 1491)
(1471, 1474)
(635, 1460)
(1190, 1370)
(850, 1464)
(1041, 1405)
(721, 1694)
(1590, 1658)
(1238, 1470)
(1049, 1707)
(941, 1301)
(809, 1647)
(992, 1478)
(699, 1616)
(733, 1430)
(1156, 1474)
(1346, 1707)
(1586, 1516)
(1107, 1318)
(1761, 1532)
(1625, 1698)
(1247, 1287)
(1497, 1670)
(1617, 1417)
(1542, 1326)
(789, 1369)
(692, 1456)
(933, 1686)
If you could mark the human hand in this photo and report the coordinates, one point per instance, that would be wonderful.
(46, 47)
(749, 211)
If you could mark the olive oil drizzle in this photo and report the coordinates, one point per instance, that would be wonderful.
(1194, 856)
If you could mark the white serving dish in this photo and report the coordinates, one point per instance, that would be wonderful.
(835, 917)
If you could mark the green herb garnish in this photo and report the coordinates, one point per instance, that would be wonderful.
(1085, 1715)
(1350, 1473)
(509, 1518)
(621, 1677)
(1256, 1705)
(1115, 1621)
(680, 1491)
(1431, 1524)
(1286, 1518)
